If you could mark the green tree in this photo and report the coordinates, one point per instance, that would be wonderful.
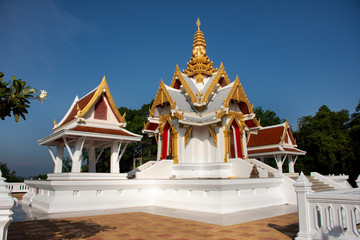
(147, 148)
(326, 139)
(9, 175)
(267, 117)
(354, 131)
(14, 98)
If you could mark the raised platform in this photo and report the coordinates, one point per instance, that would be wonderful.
(219, 196)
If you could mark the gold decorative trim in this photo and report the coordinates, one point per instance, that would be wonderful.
(156, 138)
(213, 135)
(227, 144)
(178, 115)
(162, 122)
(220, 114)
(187, 135)
(103, 87)
(175, 135)
(178, 76)
(237, 93)
(161, 97)
(237, 115)
(199, 63)
(219, 75)
(241, 123)
(287, 130)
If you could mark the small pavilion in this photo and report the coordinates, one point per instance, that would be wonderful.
(275, 142)
(93, 122)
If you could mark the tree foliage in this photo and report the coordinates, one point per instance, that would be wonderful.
(9, 175)
(267, 117)
(14, 98)
(326, 139)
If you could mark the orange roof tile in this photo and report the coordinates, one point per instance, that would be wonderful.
(266, 136)
(82, 103)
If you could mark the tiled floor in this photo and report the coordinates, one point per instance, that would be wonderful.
(144, 226)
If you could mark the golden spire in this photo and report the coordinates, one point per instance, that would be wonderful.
(199, 62)
(198, 24)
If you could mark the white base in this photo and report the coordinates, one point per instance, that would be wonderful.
(219, 196)
(202, 170)
(86, 176)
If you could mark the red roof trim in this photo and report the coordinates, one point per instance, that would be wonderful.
(102, 130)
(82, 103)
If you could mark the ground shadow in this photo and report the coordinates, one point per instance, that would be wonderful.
(289, 230)
(55, 229)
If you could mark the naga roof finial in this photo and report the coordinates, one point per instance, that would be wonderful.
(198, 23)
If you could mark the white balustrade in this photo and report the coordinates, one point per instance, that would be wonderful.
(327, 215)
(6, 203)
(17, 187)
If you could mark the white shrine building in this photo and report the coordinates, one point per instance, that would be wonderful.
(209, 142)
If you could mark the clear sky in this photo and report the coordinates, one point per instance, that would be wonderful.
(291, 56)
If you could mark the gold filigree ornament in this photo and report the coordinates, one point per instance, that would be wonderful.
(199, 62)
(213, 135)
(187, 135)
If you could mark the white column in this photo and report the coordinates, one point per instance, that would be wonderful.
(278, 162)
(244, 145)
(358, 181)
(92, 161)
(59, 158)
(159, 148)
(291, 164)
(303, 187)
(114, 163)
(76, 159)
(6, 203)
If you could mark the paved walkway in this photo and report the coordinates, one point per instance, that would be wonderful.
(153, 223)
(146, 226)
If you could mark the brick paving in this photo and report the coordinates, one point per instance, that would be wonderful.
(145, 226)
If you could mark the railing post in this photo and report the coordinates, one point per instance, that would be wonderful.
(6, 203)
(358, 181)
(303, 187)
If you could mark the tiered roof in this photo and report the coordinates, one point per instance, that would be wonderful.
(93, 116)
(201, 94)
(272, 140)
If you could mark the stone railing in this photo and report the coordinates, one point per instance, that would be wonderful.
(17, 187)
(6, 203)
(327, 215)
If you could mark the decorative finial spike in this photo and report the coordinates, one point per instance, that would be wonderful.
(198, 23)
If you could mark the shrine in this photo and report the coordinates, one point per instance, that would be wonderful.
(210, 153)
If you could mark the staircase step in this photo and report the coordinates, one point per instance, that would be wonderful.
(319, 186)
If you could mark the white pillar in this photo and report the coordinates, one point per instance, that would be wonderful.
(59, 158)
(114, 163)
(6, 203)
(244, 145)
(76, 159)
(303, 187)
(358, 181)
(159, 148)
(291, 164)
(278, 162)
(92, 161)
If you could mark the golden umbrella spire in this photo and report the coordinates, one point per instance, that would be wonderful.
(198, 24)
(199, 63)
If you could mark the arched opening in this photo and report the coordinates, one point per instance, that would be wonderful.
(235, 141)
(166, 142)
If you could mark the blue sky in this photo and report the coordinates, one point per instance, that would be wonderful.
(291, 56)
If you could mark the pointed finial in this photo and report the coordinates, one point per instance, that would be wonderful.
(198, 23)
(55, 124)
